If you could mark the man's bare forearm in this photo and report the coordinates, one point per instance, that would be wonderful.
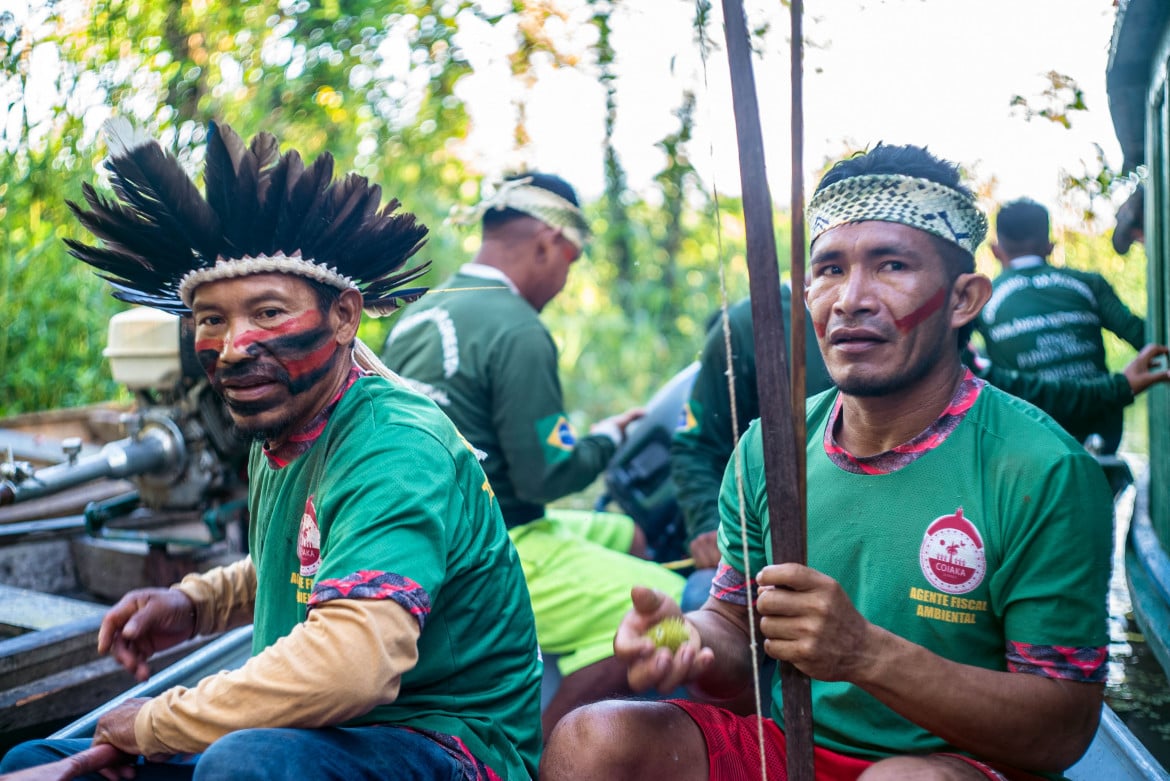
(723, 628)
(1027, 721)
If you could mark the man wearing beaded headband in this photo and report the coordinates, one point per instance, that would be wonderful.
(952, 615)
(477, 346)
(380, 649)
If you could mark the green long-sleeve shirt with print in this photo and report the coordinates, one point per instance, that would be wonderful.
(1048, 320)
(481, 352)
(1066, 400)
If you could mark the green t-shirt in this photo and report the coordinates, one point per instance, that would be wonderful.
(480, 352)
(1048, 320)
(994, 541)
(390, 503)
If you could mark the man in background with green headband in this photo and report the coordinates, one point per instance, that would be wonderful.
(952, 616)
(477, 347)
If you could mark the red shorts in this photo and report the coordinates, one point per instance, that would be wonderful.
(733, 749)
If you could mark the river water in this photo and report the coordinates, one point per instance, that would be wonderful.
(1137, 687)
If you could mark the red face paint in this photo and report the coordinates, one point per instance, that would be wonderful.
(302, 356)
(207, 351)
(294, 325)
(932, 305)
(297, 353)
(209, 345)
(258, 340)
(298, 367)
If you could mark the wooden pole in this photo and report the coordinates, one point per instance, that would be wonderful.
(783, 452)
(798, 313)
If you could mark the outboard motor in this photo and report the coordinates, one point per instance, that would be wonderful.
(180, 449)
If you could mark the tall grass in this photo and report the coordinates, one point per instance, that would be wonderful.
(53, 320)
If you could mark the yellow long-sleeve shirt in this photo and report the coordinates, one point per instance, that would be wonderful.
(296, 682)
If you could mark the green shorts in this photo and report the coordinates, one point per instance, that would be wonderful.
(579, 579)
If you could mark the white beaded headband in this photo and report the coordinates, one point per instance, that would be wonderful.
(262, 264)
(918, 203)
(545, 205)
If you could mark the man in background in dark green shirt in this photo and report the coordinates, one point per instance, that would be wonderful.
(706, 437)
(1048, 319)
(477, 347)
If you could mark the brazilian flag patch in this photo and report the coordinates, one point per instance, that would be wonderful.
(687, 419)
(556, 436)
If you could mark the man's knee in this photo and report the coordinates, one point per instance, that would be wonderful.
(585, 744)
(613, 740)
(246, 755)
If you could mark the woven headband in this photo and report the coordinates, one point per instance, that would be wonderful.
(919, 203)
(545, 205)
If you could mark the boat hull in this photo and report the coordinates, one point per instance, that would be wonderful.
(1147, 573)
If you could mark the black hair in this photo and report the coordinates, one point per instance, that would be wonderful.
(493, 218)
(916, 161)
(905, 160)
(1022, 221)
(327, 295)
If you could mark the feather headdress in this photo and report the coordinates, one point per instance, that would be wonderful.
(261, 211)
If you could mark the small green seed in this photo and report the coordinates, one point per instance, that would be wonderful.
(669, 633)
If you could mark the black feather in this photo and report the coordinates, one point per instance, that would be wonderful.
(269, 187)
(219, 173)
(231, 181)
(155, 185)
(266, 149)
(114, 263)
(169, 303)
(308, 208)
(256, 202)
(126, 230)
(352, 201)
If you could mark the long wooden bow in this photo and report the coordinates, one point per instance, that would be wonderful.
(781, 401)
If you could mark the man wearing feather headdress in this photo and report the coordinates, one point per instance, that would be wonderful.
(477, 346)
(382, 647)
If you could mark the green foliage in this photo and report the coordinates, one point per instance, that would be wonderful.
(611, 360)
(616, 238)
(376, 85)
(1090, 189)
(1061, 97)
(53, 317)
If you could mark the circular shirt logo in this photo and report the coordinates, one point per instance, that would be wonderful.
(952, 556)
(309, 541)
